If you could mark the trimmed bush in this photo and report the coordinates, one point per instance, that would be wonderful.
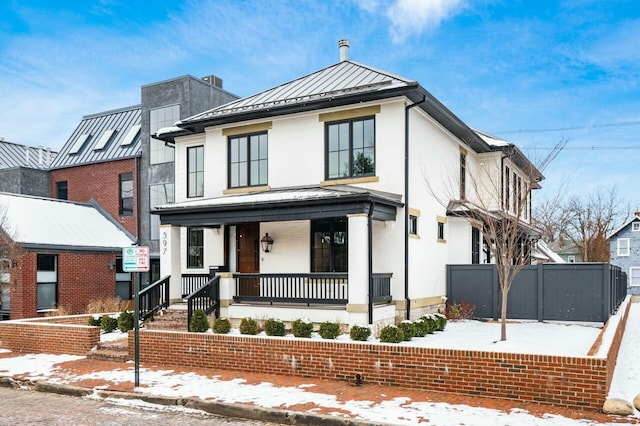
(274, 327)
(329, 330)
(360, 334)
(441, 322)
(432, 323)
(302, 328)
(126, 321)
(391, 334)
(249, 326)
(199, 322)
(94, 321)
(108, 324)
(408, 329)
(221, 326)
(421, 327)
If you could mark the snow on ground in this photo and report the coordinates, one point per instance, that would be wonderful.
(530, 337)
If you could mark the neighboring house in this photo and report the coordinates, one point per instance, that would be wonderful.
(66, 255)
(543, 253)
(624, 246)
(23, 169)
(326, 198)
(566, 250)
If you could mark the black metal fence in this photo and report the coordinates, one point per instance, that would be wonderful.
(154, 297)
(206, 298)
(550, 291)
(193, 282)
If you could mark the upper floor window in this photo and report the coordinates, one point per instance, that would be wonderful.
(47, 281)
(463, 175)
(195, 247)
(635, 226)
(159, 194)
(413, 225)
(195, 171)
(159, 152)
(350, 148)
(507, 188)
(248, 160)
(62, 190)
(126, 194)
(624, 248)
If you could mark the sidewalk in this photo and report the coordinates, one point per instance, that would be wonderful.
(291, 400)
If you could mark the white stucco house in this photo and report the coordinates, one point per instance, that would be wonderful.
(326, 198)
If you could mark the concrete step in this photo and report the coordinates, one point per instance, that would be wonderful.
(168, 319)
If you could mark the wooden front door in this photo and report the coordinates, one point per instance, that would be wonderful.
(248, 256)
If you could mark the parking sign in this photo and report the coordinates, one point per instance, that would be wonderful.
(135, 259)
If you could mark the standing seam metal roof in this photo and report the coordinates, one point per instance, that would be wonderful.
(120, 120)
(13, 155)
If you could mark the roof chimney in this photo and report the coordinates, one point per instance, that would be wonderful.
(344, 49)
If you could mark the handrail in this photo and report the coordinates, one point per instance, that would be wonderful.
(154, 297)
(206, 298)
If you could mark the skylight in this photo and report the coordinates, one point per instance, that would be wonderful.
(104, 139)
(77, 146)
(130, 137)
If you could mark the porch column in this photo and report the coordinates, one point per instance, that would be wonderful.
(170, 259)
(358, 269)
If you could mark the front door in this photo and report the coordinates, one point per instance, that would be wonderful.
(248, 256)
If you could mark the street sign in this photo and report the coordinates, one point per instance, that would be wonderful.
(135, 259)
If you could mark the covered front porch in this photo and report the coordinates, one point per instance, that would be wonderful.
(286, 254)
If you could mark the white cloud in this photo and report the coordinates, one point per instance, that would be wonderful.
(413, 17)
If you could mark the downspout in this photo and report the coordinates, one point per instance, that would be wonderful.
(407, 300)
(370, 240)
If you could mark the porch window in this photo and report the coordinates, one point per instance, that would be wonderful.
(47, 281)
(126, 194)
(329, 250)
(623, 247)
(248, 160)
(350, 148)
(195, 247)
(195, 171)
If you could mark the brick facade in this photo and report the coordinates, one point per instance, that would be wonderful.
(82, 277)
(100, 181)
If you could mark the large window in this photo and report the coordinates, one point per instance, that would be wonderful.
(195, 171)
(159, 152)
(195, 247)
(62, 190)
(159, 194)
(248, 158)
(329, 250)
(350, 148)
(47, 281)
(126, 194)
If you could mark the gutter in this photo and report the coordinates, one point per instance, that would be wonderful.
(406, 204)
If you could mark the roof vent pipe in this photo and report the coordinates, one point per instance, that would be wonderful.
(344, 49)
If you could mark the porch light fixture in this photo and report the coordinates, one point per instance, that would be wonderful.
(267, 243)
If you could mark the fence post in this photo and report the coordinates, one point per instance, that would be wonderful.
(540, 284)
(606, 292)
(495, 290)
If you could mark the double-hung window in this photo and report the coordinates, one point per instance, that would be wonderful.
(623, 247)
(195, 171)
(329, 245)
(350, 148)
(248, 160)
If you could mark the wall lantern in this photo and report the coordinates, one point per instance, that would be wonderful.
(267, 243)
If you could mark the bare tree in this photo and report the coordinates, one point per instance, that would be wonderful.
(9, 253)
(552, 215)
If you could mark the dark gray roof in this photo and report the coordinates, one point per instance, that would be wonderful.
(95, 130)
(13, 155)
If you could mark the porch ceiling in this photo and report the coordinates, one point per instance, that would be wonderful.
(281, 205)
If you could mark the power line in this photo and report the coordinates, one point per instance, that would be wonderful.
(582, 148)
(562, 129)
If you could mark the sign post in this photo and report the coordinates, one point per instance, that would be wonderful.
(135, 259)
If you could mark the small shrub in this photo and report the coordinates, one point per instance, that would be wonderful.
(221, 326)
(249, 326)
(421, 327)
(441, 322)
(408, 330)
(126, 321)
(302, 328)
(432, 323)
(391, 334)
(60, 311)
(106, 304)
(94, 321)
(274, 327)
(108, 324)
(329, 330)
(199, 322)
(459, 311)
(360, 334)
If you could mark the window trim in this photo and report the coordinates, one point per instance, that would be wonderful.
(635, 226)
(39, 281)
(350, 121)
(413, 225)
(199, 149)
(631, 269)
(333, 226)
(121, 199)
(248, 136)
(199, 255)
(623, 251)
(571, 258)
(440, 231)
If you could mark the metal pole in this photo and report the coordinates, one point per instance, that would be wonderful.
(136, 327)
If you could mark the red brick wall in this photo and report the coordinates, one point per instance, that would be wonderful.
(580, 382)
(101, 182)
(82, 277)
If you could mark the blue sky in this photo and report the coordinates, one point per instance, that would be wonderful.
(532, 72)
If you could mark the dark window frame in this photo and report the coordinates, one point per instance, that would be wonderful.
(333, 255)
(195, 260)
(123, 208)
(47, 263)
(440, 231)
(413, 225)
(251, 146)
(463, 175)
(195, 171)
(62, 187)
(351, 150)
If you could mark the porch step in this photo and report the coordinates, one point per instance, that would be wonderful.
(174, 319)
(117, 351)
